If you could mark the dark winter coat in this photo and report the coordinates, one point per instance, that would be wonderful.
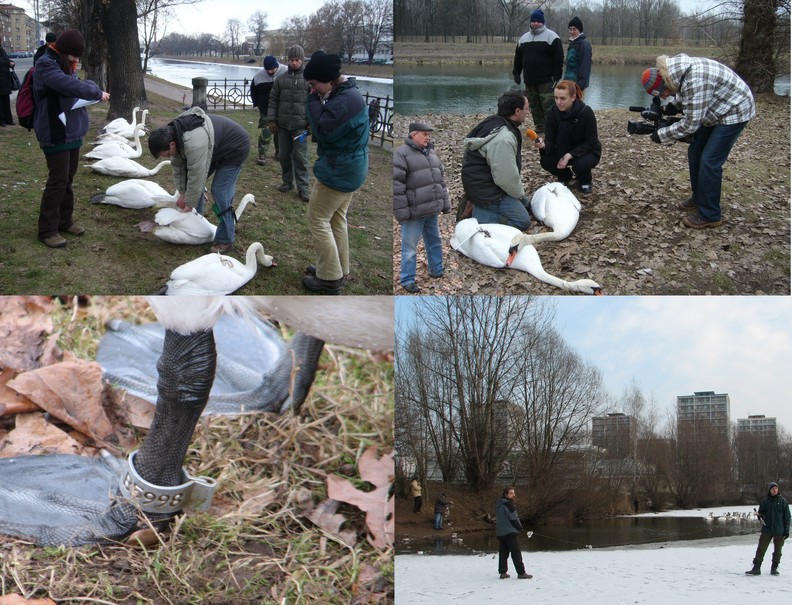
(287, 100)
(55, 93)
(419, 188)
(340, 126)
(260, 88)
(506, 519)
(774, 511)
(5, 72)
(574, 132)
(539, 57)
(440, 505)
(578, 61)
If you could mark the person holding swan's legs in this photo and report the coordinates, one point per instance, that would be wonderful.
(207, 145)
(491, 168)
(716, 105)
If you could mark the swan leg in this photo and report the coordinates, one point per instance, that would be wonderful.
(306, 351)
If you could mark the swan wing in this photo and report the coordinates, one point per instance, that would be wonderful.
(486, 243)
(212, 274)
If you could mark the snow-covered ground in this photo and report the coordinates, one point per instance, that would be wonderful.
(691, 571)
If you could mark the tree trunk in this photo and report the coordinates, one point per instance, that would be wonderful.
(756, 58)
(93, 61)
(126, 73)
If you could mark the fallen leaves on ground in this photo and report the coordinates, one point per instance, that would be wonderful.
(377, 503)
(60, 402)
(629, 237)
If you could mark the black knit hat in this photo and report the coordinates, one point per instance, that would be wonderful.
(576, 22)
(70, 42)
(323, 67)
(50, 37)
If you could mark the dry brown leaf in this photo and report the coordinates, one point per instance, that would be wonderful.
(12, 402)
(377, 504)
(34, 435)
(25, 327)
(15, 599)
(324, 516)
(72, 392)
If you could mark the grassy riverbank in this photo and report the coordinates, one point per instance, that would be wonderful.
(115, 257)
(421, 53)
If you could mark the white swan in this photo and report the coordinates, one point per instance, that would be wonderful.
(502, 246)
(125, 167)
(557, 207)
(179, 227)
(135, 193)
(124, 128)
(114, 149)
(216, 274)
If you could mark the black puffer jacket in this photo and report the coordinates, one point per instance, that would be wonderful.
(419, 188)
(774, 511)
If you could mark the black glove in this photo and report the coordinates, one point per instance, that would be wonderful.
(655, 137)
(671, 110)
(516, 79)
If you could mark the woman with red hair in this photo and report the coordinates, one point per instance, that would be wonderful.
(571, 147)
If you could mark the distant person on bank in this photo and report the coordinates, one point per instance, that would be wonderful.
(578, 59)
(774, 516)
(539, 60)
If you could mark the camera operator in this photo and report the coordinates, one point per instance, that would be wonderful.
(571, 142)
(716, 105)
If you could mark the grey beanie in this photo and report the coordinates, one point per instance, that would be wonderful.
(772, 485)
(295, 52)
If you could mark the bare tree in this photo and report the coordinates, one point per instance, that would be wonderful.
(295, 30)
(377, 25)
(257, 24)
(233, 36)
(459, 361)
(558, 395)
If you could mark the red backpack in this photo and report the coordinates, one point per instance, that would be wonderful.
(25, 101)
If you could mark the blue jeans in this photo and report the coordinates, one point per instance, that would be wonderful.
(411, 232)
(223, 190)
(509, 210)
(438, 520)
(706, 156)
(293, 157)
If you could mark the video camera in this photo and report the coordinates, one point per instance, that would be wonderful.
(654, 117)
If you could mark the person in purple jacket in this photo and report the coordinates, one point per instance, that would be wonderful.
(60, 130)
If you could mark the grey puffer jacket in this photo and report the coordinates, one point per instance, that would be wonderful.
(287, 100)
(506, 519)
(419, 188)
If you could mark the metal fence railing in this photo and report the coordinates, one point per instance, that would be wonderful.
(235, 94)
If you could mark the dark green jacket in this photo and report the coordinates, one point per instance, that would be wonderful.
(774, 511)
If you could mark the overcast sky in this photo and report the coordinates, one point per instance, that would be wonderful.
(677, 345)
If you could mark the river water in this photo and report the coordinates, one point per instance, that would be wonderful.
(469, 89)
(182, 73)
(599, 533)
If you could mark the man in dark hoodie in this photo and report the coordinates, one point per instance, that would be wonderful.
(507, 526)
(774, 515)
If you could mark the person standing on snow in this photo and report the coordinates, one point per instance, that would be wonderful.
(774, 515)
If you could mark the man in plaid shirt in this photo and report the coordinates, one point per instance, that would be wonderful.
(716, 105)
